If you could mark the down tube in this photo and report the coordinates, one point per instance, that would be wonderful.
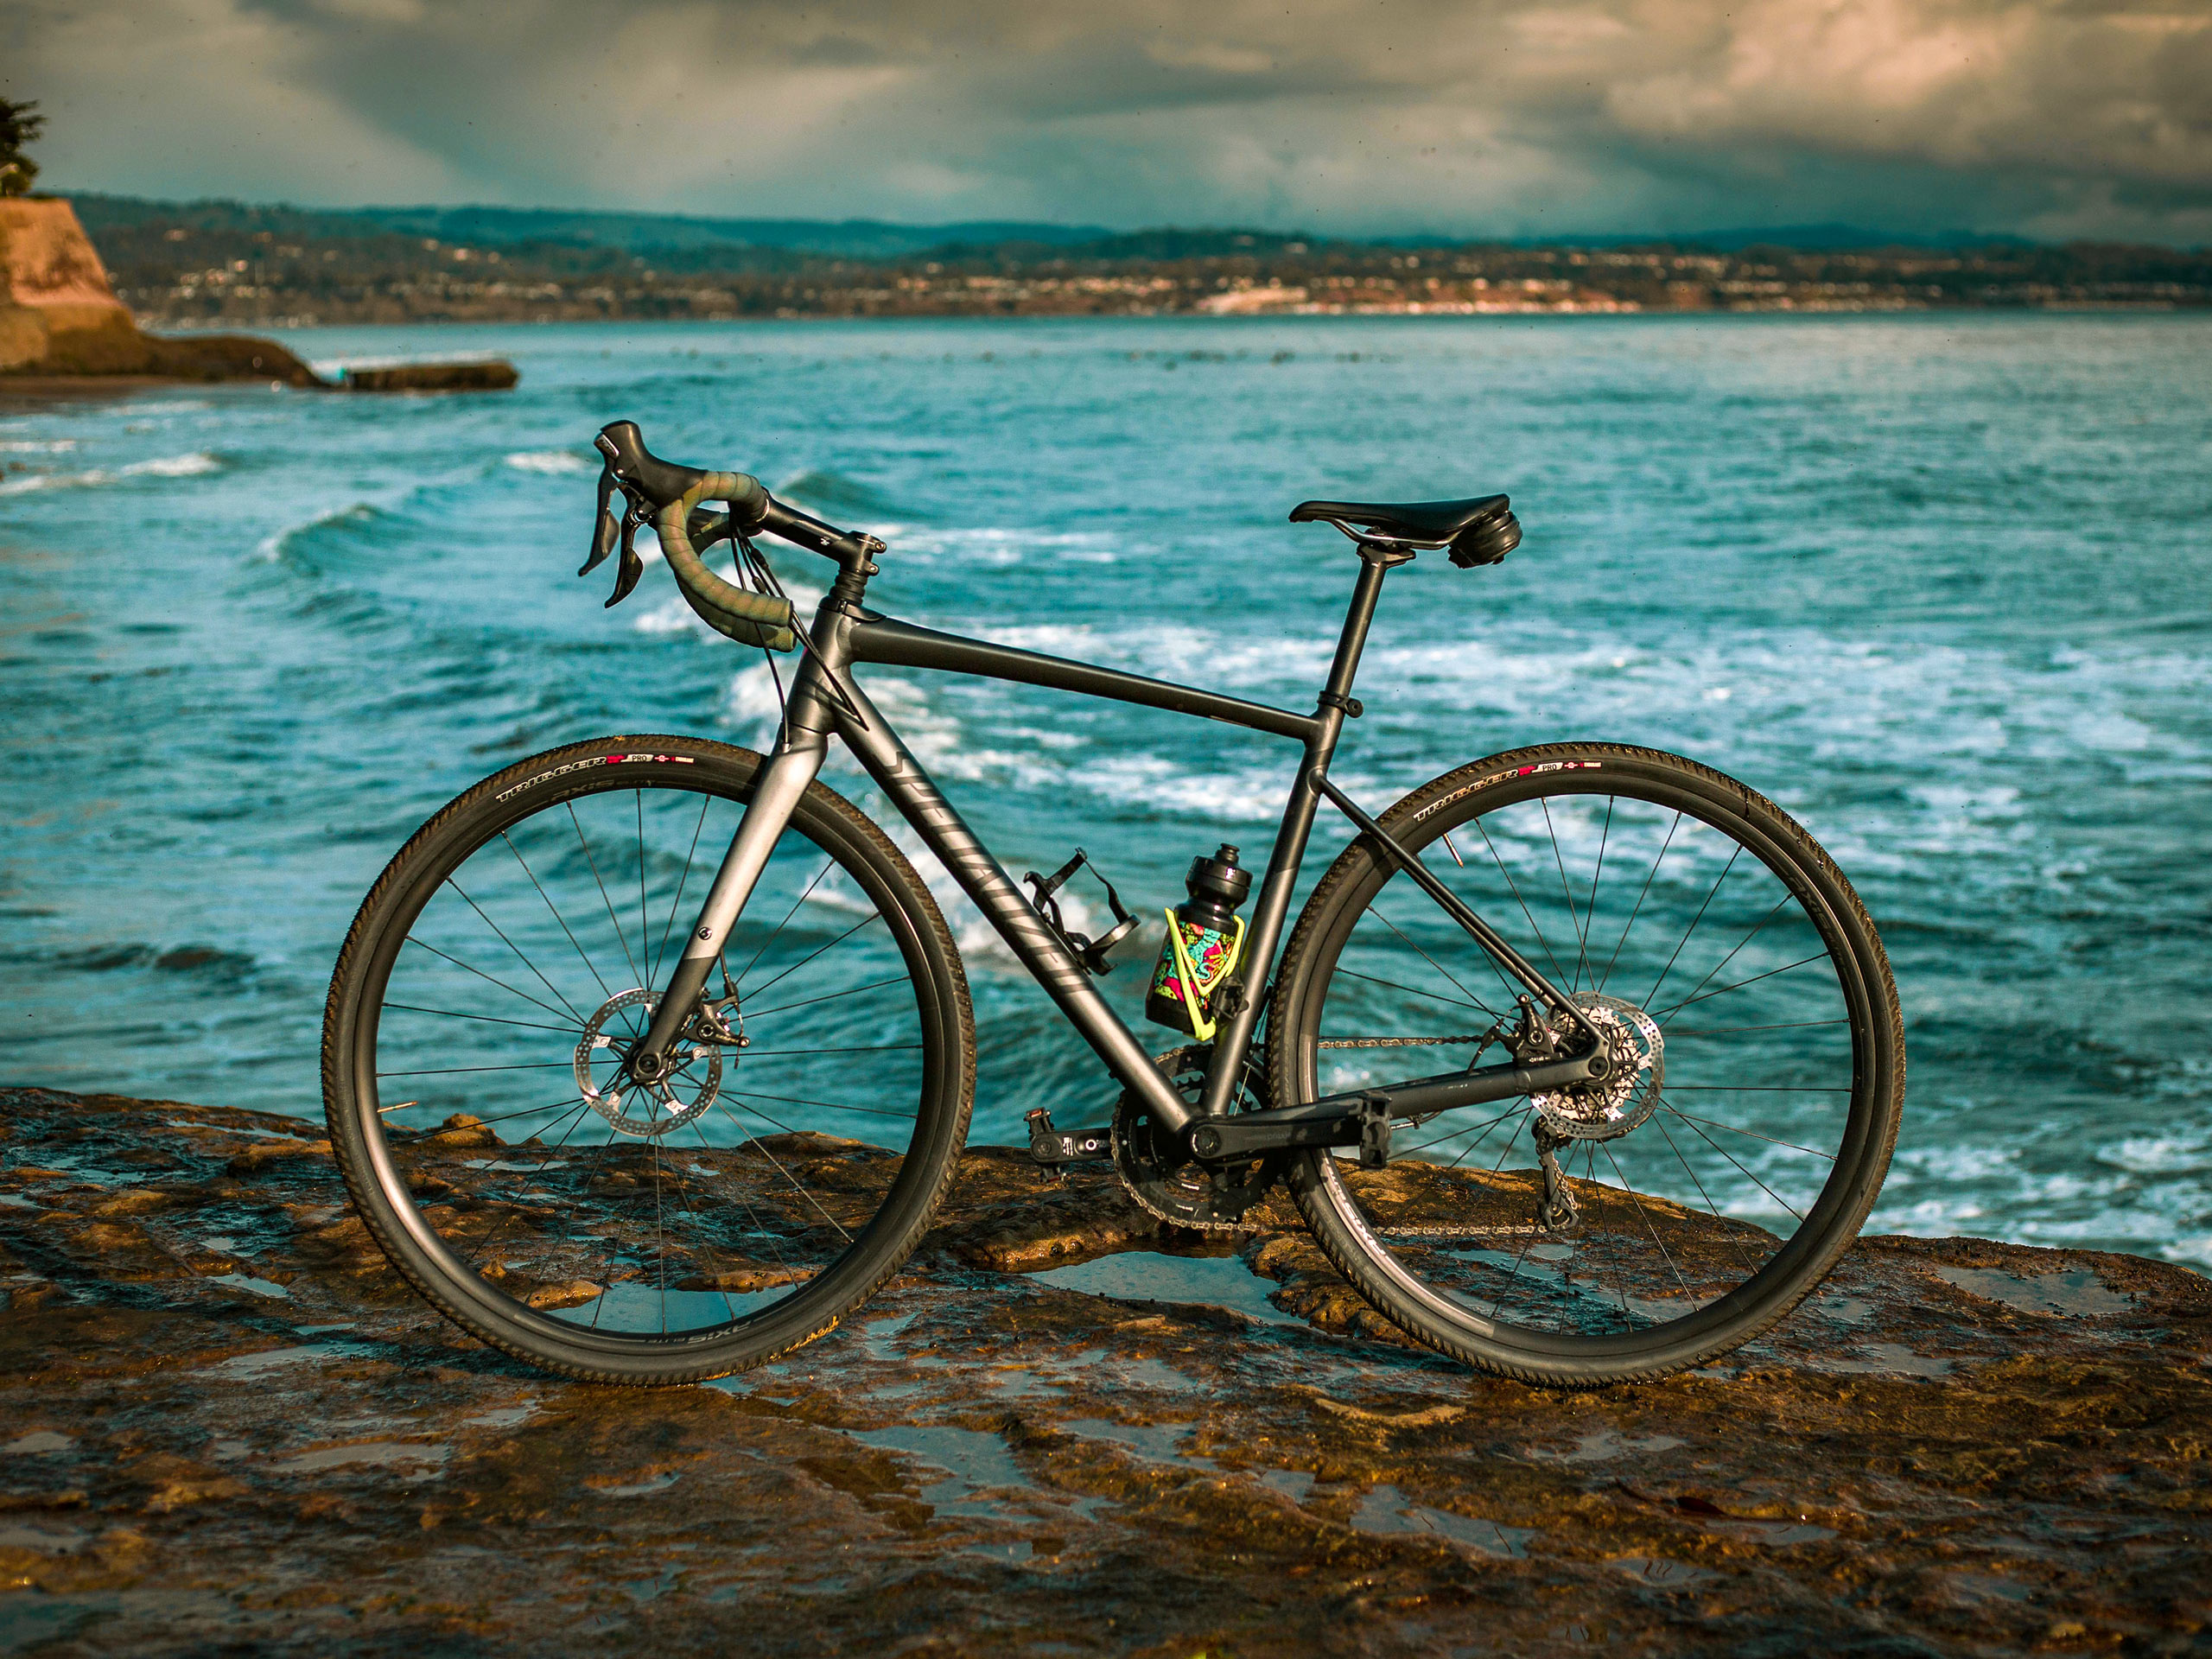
(922, 805)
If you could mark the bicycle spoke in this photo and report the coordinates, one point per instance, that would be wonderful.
(1801, 961)
(1376, 912)
(812, 955)
(827, 1105)
(752, 1054)
(563, 921)
(1514, 888)
(1590, 911)
(490, 1020)
(660, 950)
(1731, 1031)
(481, 974)
(1574, 920)
(1683, 943)
(1740, 944)
(644, 926)
(831, 997)
(1730, 1157)
(828, 864)
(1642, 895)
(1648, 1227)
(517, 949)
(763, 1147)
(605, 898)
(1347, 973)
(1752, 1135)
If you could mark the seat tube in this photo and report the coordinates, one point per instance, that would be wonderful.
(1235, 1035)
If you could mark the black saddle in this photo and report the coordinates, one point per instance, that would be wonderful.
(1480, 530)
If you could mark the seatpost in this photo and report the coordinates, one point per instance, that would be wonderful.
(1375, 563)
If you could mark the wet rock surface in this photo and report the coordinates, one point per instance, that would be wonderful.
(1062, 1428)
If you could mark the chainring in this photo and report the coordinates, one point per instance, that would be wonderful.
(1165, 1181)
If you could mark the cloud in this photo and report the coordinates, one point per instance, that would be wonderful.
(1473, 116)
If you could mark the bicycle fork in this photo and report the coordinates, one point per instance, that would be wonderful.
(801, 747)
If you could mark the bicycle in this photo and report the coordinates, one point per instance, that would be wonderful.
(705, 1149)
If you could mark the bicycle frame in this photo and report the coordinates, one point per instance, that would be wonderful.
(826, 700)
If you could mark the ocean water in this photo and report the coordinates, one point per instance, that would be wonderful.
(1941, 586)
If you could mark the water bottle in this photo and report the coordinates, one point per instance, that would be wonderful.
(1205, 938)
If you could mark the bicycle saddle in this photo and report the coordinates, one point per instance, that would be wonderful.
(1480, 530)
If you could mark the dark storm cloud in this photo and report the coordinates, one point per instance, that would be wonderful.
(1511, 115)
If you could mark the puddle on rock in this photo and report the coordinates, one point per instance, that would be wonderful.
(1149, 1276)
(247, 1281)
(38, 1443)
(1157, 1442)
(248, 1367)
(971, 1461)
(1602, 1444)
(47, 1543)
(1385, 1512)
(1665, 1574)
(1882, 1359)
(373, 1454)
(1293, 1484)
(646, 1488)
(2078, 1294)
(1777, 1533)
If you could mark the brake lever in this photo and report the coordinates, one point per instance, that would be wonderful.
(631, 567)
(603, 527)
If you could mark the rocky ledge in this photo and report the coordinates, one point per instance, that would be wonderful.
(231, 1427)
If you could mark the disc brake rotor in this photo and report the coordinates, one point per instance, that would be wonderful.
(648, 1109)
(1164, 1180)
(1609, 1107)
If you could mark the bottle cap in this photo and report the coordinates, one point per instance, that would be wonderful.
(1219, 877)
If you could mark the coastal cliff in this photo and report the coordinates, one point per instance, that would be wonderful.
(59, 315)
(61, 325)
(233, 1426)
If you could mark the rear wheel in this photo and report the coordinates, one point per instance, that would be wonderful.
(1702, 1192)
(473, 1044)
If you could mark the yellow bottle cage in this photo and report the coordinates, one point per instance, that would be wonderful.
(1201, 1027)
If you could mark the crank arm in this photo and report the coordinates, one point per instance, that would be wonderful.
(1054, 1147)
(1338, 1120)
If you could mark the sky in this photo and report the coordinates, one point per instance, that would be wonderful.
(2048, 119)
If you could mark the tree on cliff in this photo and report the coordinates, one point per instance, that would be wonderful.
(18, 126)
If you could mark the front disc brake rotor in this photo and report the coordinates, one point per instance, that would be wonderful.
(693, 1081)
(1610, 1107)
(1166, 1181)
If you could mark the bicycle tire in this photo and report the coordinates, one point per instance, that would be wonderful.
(1432, 1282)
(878, 1208)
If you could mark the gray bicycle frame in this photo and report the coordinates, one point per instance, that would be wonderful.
(825, 699)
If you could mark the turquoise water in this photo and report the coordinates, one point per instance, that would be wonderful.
(1942, 586)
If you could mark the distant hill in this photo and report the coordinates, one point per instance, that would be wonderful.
(694, 235)
(496, 227)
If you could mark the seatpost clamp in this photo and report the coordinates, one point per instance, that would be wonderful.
(1353, 707)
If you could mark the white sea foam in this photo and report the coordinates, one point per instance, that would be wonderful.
(550, 460)
(195, 464)
(36, 446)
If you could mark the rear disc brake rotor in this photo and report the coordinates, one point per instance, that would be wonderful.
(1167, 1182)
(1610, 1107)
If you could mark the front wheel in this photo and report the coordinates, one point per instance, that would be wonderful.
(1708, 1185)
(614, 1233)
